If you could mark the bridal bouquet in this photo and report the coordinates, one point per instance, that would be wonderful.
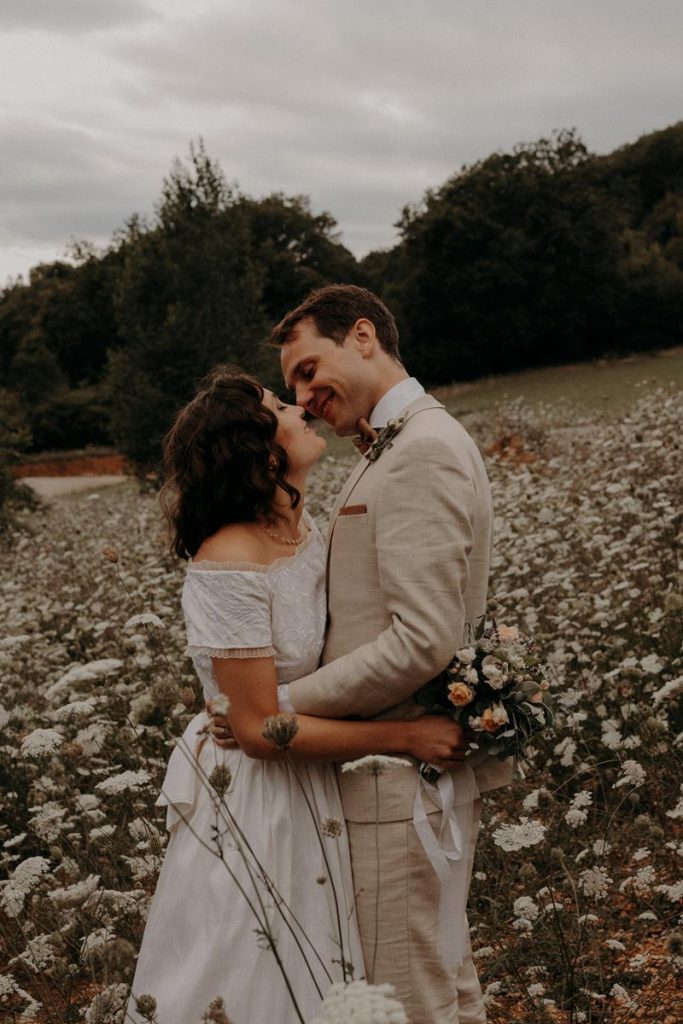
(495, 687)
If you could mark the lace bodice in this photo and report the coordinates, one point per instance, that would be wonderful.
(248, 610)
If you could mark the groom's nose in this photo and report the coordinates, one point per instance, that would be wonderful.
(304, 395)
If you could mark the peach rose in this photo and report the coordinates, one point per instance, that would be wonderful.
(508, 632)
(460, 694)
(487, 722)
(493, 718)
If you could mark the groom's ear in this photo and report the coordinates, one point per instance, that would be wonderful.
(364, 337)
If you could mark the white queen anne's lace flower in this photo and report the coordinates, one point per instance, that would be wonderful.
(633, 774)
(144, 619)
(673, 688)
(8, 987)
(75, 894)
(123, 782)
(524, 906)
(361, 1003)
(76, 709)
(518, 836)
(108, 1006)
(375, 763)
(22, 881)
(41, 742)
(594, 883)
(651, 663)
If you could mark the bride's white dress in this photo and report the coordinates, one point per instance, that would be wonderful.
(201, 939)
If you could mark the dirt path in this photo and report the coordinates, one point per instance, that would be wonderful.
(56, 486)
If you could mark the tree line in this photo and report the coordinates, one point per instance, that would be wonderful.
(545, 254)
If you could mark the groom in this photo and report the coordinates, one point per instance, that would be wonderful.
(409, 547)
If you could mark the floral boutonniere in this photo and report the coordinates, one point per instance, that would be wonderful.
(384, 439)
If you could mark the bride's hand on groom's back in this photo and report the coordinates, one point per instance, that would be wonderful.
(438, 740)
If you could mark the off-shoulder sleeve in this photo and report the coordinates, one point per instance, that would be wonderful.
(227, 614)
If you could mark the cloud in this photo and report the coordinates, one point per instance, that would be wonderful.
(361, 106)
(60, 190)
(71, 16)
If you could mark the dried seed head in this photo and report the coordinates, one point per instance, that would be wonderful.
(331, 827)
(528, 872)
(215, 1013)
(111, 554)
(280, 729)
(219, 705)
(186, 696)
(220, 779)
(146, 1006)
(156, 846)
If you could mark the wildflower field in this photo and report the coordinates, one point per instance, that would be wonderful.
(575, 906)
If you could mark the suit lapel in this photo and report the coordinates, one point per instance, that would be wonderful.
(423, 402)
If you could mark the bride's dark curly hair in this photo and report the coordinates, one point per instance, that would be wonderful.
(221, 461)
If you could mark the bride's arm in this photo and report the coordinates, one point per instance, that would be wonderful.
(251, 687)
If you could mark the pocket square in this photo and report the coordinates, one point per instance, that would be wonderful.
(353, 510)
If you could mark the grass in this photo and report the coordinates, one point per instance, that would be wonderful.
(605, 386)
(602, 389)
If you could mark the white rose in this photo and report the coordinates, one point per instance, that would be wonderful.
(492, 672)
(466, 655)
(500, 715)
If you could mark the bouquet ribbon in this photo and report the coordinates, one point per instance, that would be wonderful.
(454, 793)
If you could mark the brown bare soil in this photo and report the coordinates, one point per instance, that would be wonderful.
(510, 447)
(71, 464)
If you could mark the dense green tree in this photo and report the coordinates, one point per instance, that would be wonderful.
(203, 285)
(544, 254)
(35, 373)
(69, 309)
(296, 251)
(187, 298)
(15, 437)
(511, 263)
(642, 173)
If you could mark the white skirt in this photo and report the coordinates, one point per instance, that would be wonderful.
(205, 931)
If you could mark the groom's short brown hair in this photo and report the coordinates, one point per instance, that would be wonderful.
(334, 310)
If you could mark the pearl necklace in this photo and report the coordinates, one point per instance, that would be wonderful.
(284, 540)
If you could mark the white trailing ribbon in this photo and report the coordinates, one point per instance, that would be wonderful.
(454, 793)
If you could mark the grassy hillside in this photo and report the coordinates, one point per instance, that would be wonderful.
(582, 392)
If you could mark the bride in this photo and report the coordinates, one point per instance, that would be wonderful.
(255, 901)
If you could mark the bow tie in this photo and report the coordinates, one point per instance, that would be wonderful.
(365, 436)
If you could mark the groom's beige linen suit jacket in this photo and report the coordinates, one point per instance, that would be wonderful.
(409, 548)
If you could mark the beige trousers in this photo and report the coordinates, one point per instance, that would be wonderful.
(404, 931)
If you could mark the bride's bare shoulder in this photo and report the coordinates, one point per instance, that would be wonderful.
(236, 542)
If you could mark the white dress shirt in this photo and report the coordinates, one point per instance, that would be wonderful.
(391, 405)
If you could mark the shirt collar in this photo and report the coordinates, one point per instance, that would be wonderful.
(391, 405)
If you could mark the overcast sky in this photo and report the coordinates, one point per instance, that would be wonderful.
(360, 104)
